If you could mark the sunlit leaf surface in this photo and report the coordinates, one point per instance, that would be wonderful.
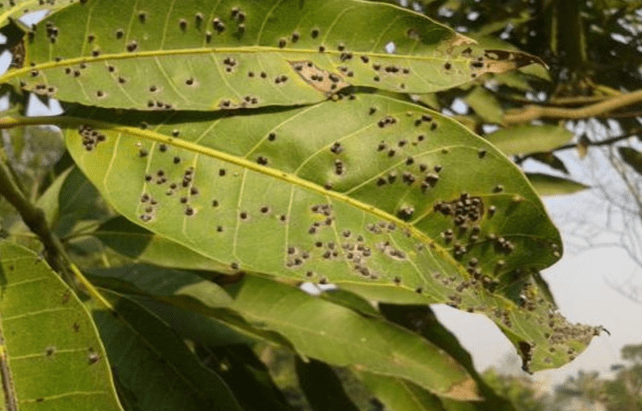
(164, 55)
(387, 199)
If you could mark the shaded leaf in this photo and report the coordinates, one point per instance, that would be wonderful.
(548, 185)
(152, 55)
(244, 372)
(152, 363)
(632, 157)
(51, 356)
(322, 387)
(551, 160)
(70, 199)
(400, 395)
(422, 320)
(485, 105)
(524, 139)
(140, 244)
(316, 328)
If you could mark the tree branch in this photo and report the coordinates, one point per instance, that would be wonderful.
(594, 110)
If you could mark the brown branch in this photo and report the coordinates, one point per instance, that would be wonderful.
(598, 109)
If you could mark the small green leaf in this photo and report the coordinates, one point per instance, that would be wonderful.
(548, 185)
(52, 357)
(632, 157)
(485, 105)
(526, 139)
(152, 55)
(550, 160)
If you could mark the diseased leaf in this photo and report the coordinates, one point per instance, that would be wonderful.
(152, 364)
(316, 328)
(632, 157)
(154, 55)
(524, 139)
(548, 185)
(52, 357)
(376, 202)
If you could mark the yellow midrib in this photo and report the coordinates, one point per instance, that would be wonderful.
(205, 50)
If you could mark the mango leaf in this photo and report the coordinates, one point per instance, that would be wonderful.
(632, 157)
(153, 55)
(244, 372)
(70, 199)
(524, 139)
(422, 320)
(376, 202)
(153, 367)
(400, 395)
(52, 357)
(485, 105)
(141, 245)
(550, 160)
(548, 185)
(322, 387)
(315, 327)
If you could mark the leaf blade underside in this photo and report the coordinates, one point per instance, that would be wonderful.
(375, 201)
(52, 354)
(151, 55)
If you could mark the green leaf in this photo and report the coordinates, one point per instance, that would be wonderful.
(322, 387)
(632, 157)
(328, 204)
(422, 320)
(244, 372)
(153, 55)
(68, 200)
(329, 207)
(398, 394)
(526, 139)
(550, 160)
(548, 185)
(315, 327)
(52, 358)
(485, 105)
(154, 368)
(139, 244)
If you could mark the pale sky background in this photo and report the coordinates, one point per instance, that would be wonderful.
(579, 282)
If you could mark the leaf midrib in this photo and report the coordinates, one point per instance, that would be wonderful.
(208, 50)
